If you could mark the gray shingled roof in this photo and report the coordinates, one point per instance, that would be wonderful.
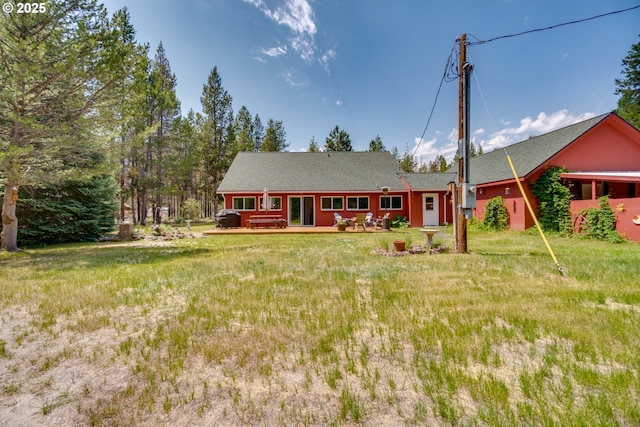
(437, 181)
(527, 155)
(313, 172)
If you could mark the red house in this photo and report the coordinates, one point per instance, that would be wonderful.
(602, 153)
(307, 189)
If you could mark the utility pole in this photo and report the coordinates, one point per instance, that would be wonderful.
(466, 191)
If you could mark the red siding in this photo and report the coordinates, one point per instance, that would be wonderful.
(444, 208)
(625, 210)
(604, 148)
(322, 217)
(519, 217)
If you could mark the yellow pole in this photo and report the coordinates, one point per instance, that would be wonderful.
(535, 219)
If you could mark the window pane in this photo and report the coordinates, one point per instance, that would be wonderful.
(384, 203)
(250, 203)
(326, 203)
(276, 203)
(428, 203)
(363, 203)
(237, 203)
(337, 203)
(396, 202)
(352, 203)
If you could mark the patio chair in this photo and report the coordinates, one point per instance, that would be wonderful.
(360, 221)
(369, 220)
(336, 218)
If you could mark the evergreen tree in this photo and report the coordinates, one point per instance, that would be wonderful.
(58, 70)
(72, 211)
(275, 138)
(245, 133)
(163, 108)
(338, 140)
(218, 114)
(376, 144)
(438, 165)
(184, 165)
(258, 132)
(408, 163)
(313, 146)
(628, 87)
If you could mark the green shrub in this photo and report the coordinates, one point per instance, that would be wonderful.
(191, 209)
(554, 200)
(72, 211)
(399, 221)
(496, 216)
(600, 223)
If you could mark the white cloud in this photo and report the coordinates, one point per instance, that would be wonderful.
(328, 56)
(292, 81)
(274, 52)
(339, 102)
(298, 16)
(527, 127)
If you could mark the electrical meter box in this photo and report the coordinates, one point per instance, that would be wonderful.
(468, 196)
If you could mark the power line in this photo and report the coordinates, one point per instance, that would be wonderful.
(551, 27)
(446, 76)
(451, 68)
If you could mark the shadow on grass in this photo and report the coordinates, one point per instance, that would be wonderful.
(99, 255)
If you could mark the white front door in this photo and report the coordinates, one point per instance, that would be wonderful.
(430, 211)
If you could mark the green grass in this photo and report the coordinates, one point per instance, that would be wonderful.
(317, 330)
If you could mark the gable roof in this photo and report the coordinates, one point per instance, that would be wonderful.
(312, 172)
(527, 155)
(434, 181)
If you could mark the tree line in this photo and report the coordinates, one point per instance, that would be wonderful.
(90, 125)
(86, 114)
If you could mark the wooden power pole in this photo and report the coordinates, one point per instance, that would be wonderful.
(465, 191)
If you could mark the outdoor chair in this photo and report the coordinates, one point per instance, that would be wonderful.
(336, 218)
(370, 221)
(360, 221)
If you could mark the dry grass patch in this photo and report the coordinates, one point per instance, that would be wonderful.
(315, 330)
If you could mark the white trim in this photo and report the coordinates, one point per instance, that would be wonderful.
(431, 221)
(359, 208)
(313, 207)
(261, 209)
(244, 198)
(390, 208)
(332, 200)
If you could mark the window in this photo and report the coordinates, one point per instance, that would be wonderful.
(244, 203)
(391, 202)
(357, 203)
(429, 203)
(275, 203)
(332, 203)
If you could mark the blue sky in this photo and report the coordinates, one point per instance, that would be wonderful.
(373, 67)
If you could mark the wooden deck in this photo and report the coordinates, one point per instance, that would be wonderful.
(290, 230)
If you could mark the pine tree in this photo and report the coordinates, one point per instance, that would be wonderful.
(376, 144)
(258, 132)
(245, 134)
(628, 87)
(275, 138)
(313, 146)
(218, 114)
(58, 70)
(338, 140)
(408, 163)
(163, 108)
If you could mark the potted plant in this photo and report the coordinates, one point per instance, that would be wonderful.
(399, 245)
(342, 225)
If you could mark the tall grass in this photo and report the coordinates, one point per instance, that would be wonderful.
(317, 330)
